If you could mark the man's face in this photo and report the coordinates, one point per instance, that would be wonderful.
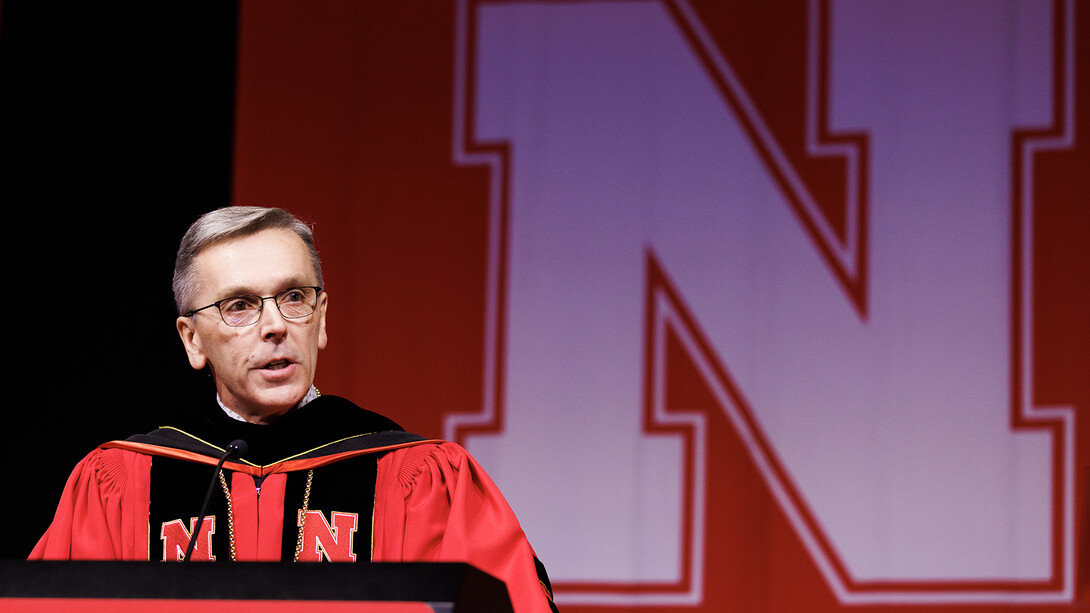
(261, 370)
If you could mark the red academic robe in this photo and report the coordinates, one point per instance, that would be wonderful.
(433, 503)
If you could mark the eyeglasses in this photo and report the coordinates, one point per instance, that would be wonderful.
(238, 311)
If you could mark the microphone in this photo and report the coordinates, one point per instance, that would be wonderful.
(235, 449)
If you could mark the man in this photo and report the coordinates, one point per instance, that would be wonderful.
(320, 479)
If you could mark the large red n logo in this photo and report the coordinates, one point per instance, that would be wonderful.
(871, 355)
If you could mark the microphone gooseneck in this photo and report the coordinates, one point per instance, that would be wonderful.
(235, 449)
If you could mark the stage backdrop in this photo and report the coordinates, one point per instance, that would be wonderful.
(745, 306)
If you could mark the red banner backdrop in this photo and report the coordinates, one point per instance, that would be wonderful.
(776, 306)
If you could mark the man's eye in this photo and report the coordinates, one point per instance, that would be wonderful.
(234, 305)
(293, 295)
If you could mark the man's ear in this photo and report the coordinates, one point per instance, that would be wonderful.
(187, 329)
(323, 301)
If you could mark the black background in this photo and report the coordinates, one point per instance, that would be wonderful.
(115, 129)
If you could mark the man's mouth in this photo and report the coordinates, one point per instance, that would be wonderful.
(277, 365)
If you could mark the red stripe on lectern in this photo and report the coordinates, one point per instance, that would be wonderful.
(168, 605)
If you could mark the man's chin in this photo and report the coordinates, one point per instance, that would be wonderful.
(272, 404)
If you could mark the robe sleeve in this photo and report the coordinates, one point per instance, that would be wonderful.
(434, 503)
(103, 511)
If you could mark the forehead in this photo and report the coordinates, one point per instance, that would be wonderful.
(265, 262)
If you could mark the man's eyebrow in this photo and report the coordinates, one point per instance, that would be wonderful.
(241, 290)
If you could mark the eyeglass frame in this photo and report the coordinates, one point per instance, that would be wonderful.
(317, 292)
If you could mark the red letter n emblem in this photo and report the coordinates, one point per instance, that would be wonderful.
(321, 540)
(176, 539)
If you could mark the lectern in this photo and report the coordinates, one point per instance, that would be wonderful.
(248, 587)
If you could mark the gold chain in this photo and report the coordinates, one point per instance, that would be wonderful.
(303, 519)
(231, 516)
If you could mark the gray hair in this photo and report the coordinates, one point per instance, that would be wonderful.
(225, 224)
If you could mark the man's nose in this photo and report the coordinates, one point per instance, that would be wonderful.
(270, 319)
